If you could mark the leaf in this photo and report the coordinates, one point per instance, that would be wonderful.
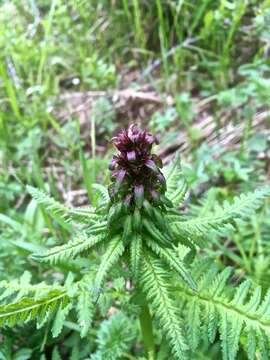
(114, 337)
(155, 286)
(135, 255)
(171, 259)
(223, 216)
(62, 214)
(60, 317)
(114, 250)
(176, 183)
(73, 248)
(230, 310)
(85, 310)
(28, 309)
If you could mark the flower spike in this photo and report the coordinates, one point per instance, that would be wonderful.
(135, 170)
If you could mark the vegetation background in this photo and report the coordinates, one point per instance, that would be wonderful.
(74, 72)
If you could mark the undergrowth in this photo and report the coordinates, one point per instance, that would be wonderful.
(205, 60)
(139, 230)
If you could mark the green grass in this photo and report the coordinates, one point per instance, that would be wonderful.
(197, 52)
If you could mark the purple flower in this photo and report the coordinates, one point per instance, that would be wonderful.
(135, 170)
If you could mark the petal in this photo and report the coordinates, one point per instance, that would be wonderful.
(113, 163)
(120, 176)
(150, 139)
(151, 165)
(119, 179)
(131, 155)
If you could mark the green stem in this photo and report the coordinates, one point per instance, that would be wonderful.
(147, 331)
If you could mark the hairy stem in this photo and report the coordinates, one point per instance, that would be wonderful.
(147, 331)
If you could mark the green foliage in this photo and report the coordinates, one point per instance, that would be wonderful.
(21, 287)
(176, 184)
(27, 309)
(155, 283)
(60, 212)
(136, 255)
(23, 302)
(114, 250)
(114, 338)
(85, 307)
(61, 65)
(80, 244)
(222, 217)
(169, 257)
(158, 246)
(239, 314)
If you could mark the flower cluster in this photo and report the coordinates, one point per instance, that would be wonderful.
(136, 172)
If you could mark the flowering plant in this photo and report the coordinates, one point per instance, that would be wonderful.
(139, 227)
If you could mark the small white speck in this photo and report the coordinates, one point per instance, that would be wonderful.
(75, 81)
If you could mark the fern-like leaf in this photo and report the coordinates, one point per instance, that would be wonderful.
(232, 313)
(171, 259)
(60, 318)
(112, 254)
(176, 184)
(16, 289)
(85, 306)
(115, 337)
(84, 215)
(64, 215)
(27, 309)
(135, 255)
(155, 285)
(223, 216)
(103, 192)
(73, 248)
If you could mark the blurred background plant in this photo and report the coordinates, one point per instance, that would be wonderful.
(71, 74)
